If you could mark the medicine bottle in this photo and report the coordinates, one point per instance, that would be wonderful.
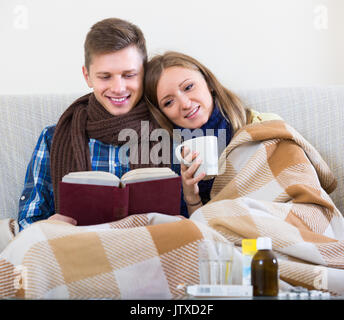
(264, 269)
(249, 249)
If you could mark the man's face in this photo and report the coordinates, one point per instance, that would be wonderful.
(116, 79)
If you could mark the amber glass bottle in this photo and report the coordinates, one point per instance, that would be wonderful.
(264, 270)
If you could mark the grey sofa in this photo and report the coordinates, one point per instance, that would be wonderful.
(316, 112)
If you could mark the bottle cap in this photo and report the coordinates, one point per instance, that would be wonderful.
(264, 243)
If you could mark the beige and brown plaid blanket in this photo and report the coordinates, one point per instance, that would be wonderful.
(274, 184)
(148, 256)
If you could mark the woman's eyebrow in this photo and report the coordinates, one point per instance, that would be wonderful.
(161, 100)
(183, 82)
(180, 85)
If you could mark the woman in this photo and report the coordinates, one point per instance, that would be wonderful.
(182, 93)
(275, 183)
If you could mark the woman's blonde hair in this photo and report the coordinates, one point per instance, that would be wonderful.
(229, 104)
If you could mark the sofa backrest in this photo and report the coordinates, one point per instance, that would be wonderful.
(23, 117)
(316, 112)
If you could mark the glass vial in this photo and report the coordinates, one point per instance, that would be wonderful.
(264, 270)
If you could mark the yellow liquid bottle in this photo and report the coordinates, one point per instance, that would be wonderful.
(249, 249)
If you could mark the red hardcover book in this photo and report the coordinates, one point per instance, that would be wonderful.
(95, 197)
(162, 196)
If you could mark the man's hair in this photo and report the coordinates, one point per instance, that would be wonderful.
(110, 35)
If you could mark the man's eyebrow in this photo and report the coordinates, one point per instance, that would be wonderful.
(169, 94)
(124, 71)
(131, 70)
(103, 72)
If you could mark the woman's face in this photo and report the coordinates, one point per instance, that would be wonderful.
(184, 97)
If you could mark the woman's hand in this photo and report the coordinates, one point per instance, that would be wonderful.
(190, 183)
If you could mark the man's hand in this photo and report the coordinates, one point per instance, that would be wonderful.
(63, 218)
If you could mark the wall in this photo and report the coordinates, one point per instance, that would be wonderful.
(247, 43)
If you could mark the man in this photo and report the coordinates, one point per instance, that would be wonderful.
(86, 135)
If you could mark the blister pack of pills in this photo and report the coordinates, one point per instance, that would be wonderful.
(303, 293)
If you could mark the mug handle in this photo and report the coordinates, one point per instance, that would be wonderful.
(178, 154)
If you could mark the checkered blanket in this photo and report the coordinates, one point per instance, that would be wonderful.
(148, 256)
(274, 184)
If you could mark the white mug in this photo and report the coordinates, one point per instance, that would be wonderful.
(206, 146)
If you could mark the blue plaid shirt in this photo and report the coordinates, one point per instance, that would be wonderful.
(37, 199)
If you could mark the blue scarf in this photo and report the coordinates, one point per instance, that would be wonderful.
(215, 122)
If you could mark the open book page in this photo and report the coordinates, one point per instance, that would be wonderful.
(101, 178)
(108, 179)
(147, 174)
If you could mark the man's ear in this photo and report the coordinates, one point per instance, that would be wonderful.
(86, 76)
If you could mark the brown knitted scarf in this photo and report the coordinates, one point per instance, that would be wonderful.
(87, 118)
